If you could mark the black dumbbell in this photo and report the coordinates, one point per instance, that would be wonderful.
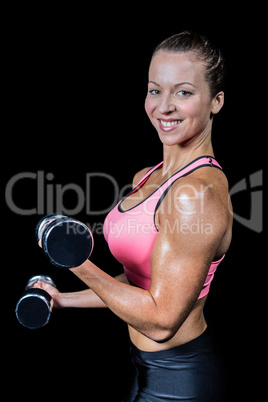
(34, 308)
(44, 222)
(65, 241)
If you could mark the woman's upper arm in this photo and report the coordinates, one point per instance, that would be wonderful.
(191, 227)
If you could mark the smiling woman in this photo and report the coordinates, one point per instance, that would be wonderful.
(175, 228)
(179, 100)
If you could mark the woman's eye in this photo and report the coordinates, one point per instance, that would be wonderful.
(184, 93)
(154, 92)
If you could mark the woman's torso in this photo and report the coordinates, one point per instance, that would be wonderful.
(195, 323)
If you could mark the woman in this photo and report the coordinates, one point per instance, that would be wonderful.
(170, 233)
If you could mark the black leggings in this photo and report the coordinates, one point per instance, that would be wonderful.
(189, 372)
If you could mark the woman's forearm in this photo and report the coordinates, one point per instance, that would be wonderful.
(83, 299)
(134, 305)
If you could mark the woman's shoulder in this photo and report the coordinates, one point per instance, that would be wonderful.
(139, 175)
(203, 194)
(205, 180)
(143, 172)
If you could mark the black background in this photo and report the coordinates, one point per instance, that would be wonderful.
(75, 87)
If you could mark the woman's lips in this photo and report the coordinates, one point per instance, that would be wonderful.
(168, 125)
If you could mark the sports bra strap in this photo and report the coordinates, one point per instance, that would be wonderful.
(198, 162)
(150, 171)
(203, 161)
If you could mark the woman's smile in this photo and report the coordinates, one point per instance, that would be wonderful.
(168, 124)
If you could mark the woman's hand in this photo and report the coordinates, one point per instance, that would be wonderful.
(52, 291)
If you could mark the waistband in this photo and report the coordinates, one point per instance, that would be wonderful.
(202, 341)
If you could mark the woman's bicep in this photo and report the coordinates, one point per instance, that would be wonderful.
(182, 254)
(177, 276)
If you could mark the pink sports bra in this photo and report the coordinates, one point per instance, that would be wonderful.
(131, 233)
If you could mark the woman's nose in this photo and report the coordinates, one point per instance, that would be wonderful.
(167, 105)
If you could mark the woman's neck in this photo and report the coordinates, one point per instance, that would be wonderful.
(176, 157)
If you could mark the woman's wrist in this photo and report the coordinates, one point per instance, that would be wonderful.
(59, 300)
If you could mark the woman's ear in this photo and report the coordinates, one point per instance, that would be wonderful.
(217, 103)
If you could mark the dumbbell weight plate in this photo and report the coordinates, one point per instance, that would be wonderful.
(43, 223)
(67, 242)
(33, 309)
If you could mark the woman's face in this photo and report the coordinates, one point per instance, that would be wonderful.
(178, 101)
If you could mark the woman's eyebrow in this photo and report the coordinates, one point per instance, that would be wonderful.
(175, 86)
(153, 82)
(183, 83)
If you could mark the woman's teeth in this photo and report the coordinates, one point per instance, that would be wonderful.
(170, 123)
